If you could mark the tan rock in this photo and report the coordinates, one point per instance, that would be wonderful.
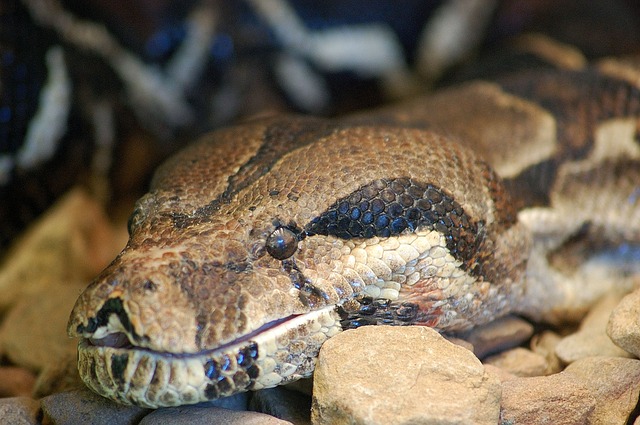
(545, 344)
(72, 242)
(591, 338)
(519, 362)
(504, 333)
(555, 399)
(33, 334)
(401, 375)
(613, 382)
(624, 323)
(501, 374)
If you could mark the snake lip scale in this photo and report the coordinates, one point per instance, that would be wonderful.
(262, 240)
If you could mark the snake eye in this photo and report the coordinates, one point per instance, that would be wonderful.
(282, 243)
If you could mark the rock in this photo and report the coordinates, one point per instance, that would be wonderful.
(304, 386)
(72, 242)
(19, 411)
(282, 403)
(591, 338)
(613, 382)
(545, 344)
(238, 402)
(555, 399)
(501, 374)
(194, 415)
(499, 335)
(58, 377)
(16, 381)
(624, 323)
(33, 334)
(519, 362)
(83, 407)
(415, 376)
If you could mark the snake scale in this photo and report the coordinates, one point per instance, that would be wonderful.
(262, 240)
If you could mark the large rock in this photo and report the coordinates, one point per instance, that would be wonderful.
(614, 383)
(401, 375)
(624, 323)
(547, 400)
(72, 242)
(34, 335)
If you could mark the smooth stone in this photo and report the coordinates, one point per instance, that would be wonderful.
(624, 323)
(545, 344)
(614, 383)
(555, 399)
(591, 339)
(16, 382)
(82, 406)
(194, 415)
(19, 411)
(284, 404)
(401, 375)
(499, 335)
(519, 362)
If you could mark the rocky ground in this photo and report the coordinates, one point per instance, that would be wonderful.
(511, 372)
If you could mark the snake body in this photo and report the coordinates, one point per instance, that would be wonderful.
(260, 241)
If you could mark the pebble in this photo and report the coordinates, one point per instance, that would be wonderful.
(555, 399)
(19, 411)
(544, 343)
(591, 339)
(624, 323)
(519, 362)
(501, 334)
(416, 376)
(614, 384)
(194, 415)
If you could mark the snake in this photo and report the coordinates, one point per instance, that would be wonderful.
(262, 240)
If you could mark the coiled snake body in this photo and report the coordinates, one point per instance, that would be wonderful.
(262, 240)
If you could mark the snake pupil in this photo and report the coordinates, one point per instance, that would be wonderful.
(282, 243)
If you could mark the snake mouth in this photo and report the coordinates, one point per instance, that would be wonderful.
(279, 352)
(122, 341)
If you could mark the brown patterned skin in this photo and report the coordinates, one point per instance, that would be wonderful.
(201, 274)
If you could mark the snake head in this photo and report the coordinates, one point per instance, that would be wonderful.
(261, 241)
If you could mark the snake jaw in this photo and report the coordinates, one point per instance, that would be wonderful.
(281, 351)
